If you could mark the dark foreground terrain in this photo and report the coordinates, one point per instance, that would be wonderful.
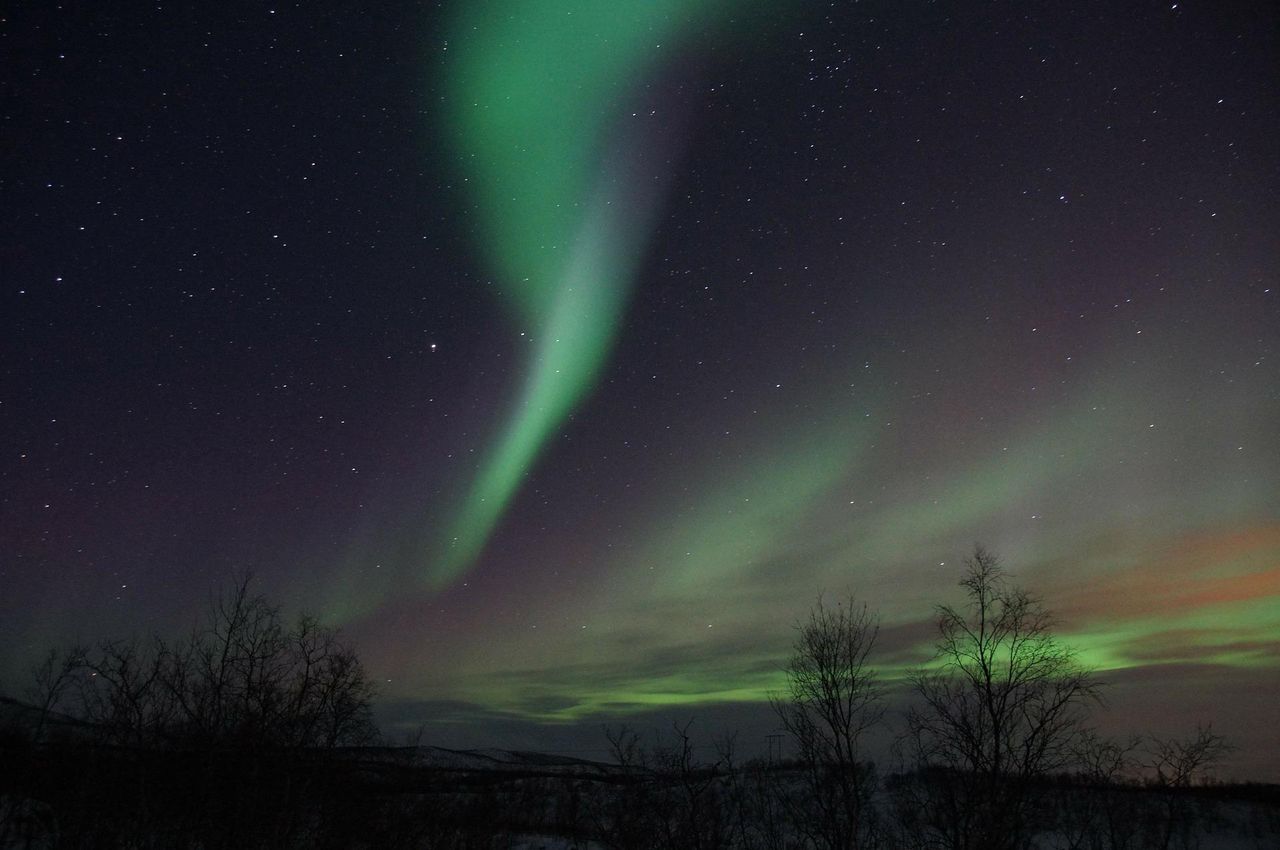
(73, 793)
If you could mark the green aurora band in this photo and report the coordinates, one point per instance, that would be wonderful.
(536, 89)
(696, 604)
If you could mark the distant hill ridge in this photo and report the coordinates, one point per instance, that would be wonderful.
(486, 759)
(19, 716)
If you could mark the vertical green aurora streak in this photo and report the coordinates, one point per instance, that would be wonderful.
(536, 88)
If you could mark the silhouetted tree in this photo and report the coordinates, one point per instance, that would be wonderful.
(51, 679)
(1181, 762)
(666, 798)
(221, 739)
(1177, 764)
(1102, 810)
(999, 707)
(241, 676)
(833, 698)
(245, 675)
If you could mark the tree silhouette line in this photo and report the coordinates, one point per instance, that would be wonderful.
(250, 732)
(218, 739)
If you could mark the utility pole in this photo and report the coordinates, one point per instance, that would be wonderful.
(775, 747)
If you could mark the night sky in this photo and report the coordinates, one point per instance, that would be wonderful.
(563, 351)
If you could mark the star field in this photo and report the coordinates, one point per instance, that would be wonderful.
(563, 351)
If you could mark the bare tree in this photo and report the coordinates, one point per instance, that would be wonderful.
(243, 675)
(833, 698)
(694, 811)
(1177, 764)
(1102, 809)
(1103, 761)
(666, 797)
(1181, 762)
(1000, 705)
(50, 681)
(244, 702)
(622, 816)
(121, 693)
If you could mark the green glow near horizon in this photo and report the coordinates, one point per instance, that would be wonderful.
(536, 89)
(745, 540)
(1203, 640)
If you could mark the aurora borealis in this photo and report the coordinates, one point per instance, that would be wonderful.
(563, 352)
(568, 186)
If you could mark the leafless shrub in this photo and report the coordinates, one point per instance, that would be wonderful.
(1176, 765)
(833, 699)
